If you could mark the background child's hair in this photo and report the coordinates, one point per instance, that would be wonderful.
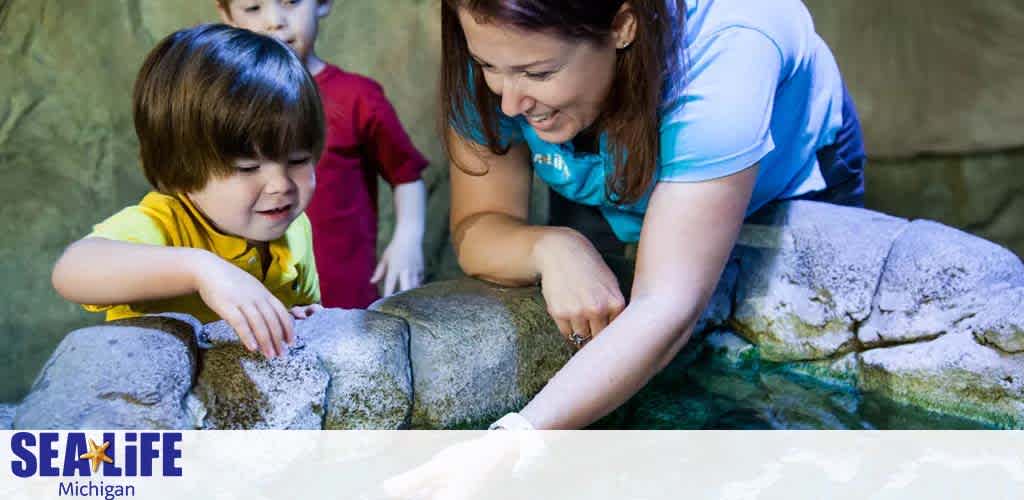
(208, 95)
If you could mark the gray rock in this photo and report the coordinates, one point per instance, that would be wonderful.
(719, 307)
(935, 278)
(243, 390)
(7, 416)
(841, 371)
(477, 350)
(952, 374)
(729, 350)
(127, 374)
(808, 274)
(1000, 324)
(366, 355)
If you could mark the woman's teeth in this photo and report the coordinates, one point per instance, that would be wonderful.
(540, 118)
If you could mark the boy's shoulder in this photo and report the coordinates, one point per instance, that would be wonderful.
(338, 84)
(147, 222)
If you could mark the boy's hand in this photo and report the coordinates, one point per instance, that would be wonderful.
(303, 312)
(257, 316)
(401, 265)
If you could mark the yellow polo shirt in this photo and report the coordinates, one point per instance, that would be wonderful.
(173, 221)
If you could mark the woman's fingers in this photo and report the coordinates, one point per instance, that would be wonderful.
(580, 331)
(597, 324)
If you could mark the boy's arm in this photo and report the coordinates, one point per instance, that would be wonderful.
(103, 271)
(401, 264)
(400, 164)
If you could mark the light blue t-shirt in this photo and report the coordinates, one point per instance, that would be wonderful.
(761, 86)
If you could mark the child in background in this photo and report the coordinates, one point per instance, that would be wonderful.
(230, 128)
(364, 139)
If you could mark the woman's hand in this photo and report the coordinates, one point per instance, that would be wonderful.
(581, 292)
(459, 471)
(259, 319)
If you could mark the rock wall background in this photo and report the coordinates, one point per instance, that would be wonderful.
(937, 86)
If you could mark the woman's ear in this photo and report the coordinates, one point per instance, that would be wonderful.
(624, 26)
(323, 7)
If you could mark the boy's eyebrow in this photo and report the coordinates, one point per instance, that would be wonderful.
(518, 67)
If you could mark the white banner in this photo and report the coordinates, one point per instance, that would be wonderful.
(640, 465)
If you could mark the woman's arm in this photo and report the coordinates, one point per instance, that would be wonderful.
(688, 234)
(488, 213)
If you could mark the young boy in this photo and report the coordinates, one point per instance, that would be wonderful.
(364, 139)
(230, 128)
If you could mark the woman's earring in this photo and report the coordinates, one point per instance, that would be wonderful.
(623, 45)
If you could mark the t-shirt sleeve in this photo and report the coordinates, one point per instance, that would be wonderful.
(721, 123)
(131, 224)
(387, 144)
(308, 289)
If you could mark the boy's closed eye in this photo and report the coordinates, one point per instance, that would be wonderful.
(247, 168)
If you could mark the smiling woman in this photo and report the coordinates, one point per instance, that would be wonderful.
(661, 122)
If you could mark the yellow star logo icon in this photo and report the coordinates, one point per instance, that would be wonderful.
(97, 454)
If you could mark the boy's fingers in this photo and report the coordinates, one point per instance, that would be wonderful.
(298, 312)
(241, 327)
(378, 273)
(287, 323)
(404, 281)
(274, 326)
(391, 283)
(259, 329)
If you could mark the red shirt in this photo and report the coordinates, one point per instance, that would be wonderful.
(364, 139)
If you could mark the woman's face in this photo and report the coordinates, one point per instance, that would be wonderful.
(559, 86)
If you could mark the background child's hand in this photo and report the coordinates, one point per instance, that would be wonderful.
(303, 312)
(401, 265)
(257, 316)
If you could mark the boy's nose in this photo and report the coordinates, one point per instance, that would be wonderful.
(274, 18)
(278, 182)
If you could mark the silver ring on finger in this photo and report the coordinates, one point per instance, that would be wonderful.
(578, 340)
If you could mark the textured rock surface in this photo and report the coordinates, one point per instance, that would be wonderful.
(809, 272)
(477, 350)
(936, 277)
(366, 355)
(1000, 322)
(243, 390)
(129, 374)
(952, 374)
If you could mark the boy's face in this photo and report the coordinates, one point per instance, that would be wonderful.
(260, 199)
(293, 22)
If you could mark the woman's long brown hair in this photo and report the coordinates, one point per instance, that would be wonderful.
(646, 73)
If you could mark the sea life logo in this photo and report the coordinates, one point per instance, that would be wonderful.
(81, 459)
